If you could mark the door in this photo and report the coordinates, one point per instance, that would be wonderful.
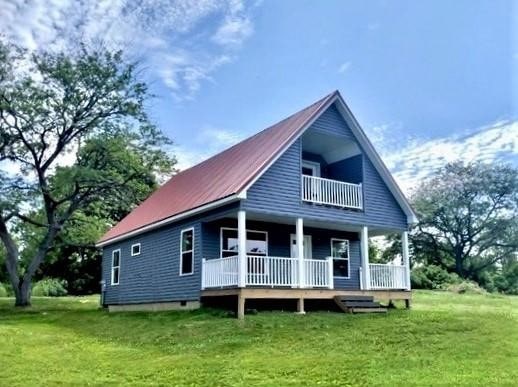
(307, 246)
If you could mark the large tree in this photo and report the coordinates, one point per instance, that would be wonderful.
(63, 118)
(468, 218)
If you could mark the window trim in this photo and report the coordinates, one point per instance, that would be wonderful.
(112, 283)
(315, 166)
(187, 251)
(139, 249)
(348, 259)
(235, 229)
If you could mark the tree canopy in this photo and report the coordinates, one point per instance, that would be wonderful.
(468, 219)
(75, 129)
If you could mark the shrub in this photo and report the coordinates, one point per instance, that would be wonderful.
(3, 290)
(465, 287)
(50, 287)
(432, 277)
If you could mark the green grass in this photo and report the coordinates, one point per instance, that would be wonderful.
(444, 339)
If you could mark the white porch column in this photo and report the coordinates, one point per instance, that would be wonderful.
(406, 258)
(364, 246)
(241, 248)
(299, 231)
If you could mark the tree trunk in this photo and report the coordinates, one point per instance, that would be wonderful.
(23, 293)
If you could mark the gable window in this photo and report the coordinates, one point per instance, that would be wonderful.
(256, 242)
(340, 254)
(310, 168)
(187, 251)
(116, 266)
(135, 249)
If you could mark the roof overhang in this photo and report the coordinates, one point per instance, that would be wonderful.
(171, 219)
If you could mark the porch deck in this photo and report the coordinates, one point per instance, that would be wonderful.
(300, 295)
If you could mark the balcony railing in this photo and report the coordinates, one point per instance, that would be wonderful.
(268, 271)
(331, 192)
(387, 276)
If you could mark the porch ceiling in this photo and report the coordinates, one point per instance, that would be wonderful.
(308, 222)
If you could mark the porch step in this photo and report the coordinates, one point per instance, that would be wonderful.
(358, 304)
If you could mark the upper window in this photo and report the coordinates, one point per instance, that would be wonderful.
(187, 251)
(340, 254)
(135, 249)
(256, 242)
(310, 168)
(116, 266)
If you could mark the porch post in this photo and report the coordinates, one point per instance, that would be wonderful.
(406, 258)
(241, 248)
(364, 246)
(300, 249)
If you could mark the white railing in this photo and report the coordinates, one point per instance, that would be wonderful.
(387, 276)
(271, 271)
(331, 192)
(267, 271)
(318, 273)
(220, 272)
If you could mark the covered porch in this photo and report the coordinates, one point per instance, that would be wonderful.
(268, 252)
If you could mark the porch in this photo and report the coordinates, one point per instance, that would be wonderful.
(268, 253)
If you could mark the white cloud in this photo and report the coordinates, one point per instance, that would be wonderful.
(233, 31)
(168, 35)
(344, 67)
(418, 160)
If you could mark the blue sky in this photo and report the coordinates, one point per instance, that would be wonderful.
(429, 81)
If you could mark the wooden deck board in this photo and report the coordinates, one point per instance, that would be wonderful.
(276, 293)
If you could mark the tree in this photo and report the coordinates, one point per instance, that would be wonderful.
(74, 257)
(62, 120)
(468, 218)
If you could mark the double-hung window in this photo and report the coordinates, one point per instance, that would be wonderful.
(340, 254)
(187, 251)
(116, 266)
(256, 242)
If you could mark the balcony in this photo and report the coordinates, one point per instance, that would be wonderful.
(330, 192)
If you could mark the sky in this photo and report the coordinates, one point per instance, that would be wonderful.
(429, 81)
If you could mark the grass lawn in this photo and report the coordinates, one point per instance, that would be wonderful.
(445, 339)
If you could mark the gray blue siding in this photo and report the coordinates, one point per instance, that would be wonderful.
(277, 191)
(154, 275)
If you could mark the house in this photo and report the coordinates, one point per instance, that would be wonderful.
(284, 214)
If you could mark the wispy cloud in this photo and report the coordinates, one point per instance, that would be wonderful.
(344, 67)
(170, 36)
(419, 159)
(208, 142)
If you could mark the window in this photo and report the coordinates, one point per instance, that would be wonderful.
(187, 252)
(135, 249)
(116, 266)
(310, 168)
(340, 254)
(256, 242)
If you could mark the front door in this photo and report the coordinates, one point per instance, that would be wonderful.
(307, 246)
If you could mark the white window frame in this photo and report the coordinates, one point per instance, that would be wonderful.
(139, 249)
(348, 259)
(235, 229)
(112, 282)
(186, 251)
(312, 165)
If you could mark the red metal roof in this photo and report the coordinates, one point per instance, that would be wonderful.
(218, 177)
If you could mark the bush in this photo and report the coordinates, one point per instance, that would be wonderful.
(3, 290)
(50, 287)
(432, 277)
(465, 287)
